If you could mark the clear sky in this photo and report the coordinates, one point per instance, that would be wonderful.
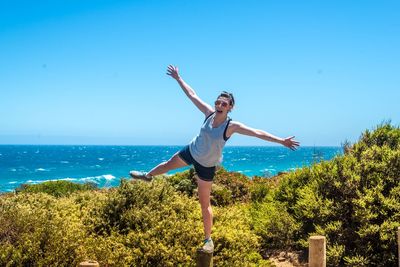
(93, 72)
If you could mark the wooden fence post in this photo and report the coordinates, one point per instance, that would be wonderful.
(398, 244)
(89, 263)
(204, 259)
(317, 251)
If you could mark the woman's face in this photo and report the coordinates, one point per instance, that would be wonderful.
(222, 105)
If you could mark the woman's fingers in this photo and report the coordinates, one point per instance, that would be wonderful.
(172, 68)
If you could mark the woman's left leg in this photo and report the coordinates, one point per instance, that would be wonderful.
(204, 192)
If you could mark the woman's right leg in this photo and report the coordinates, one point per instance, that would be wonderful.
(204, 192)
(174, 162)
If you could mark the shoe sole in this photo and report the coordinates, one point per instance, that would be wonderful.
(140, 177)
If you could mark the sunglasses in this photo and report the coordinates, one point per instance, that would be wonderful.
(222, 103)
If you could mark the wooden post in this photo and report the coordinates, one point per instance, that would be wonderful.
(317, 251)
(89, 263)
(398, 244)
(204, 259)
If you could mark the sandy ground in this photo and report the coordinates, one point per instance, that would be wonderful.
(286, 259)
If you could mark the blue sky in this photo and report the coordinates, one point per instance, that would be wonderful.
(93, 72)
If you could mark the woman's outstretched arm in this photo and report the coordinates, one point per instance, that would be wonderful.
(237, 127)
(200, 104)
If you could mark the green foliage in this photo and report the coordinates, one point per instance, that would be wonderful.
(56, 188)
(260, 188)
(237, 184)
(184, 182)
(271, 221)
(236, 244)
(228, 187)
(352, 200)
(135, 224)
(41, 230)
(221, 196)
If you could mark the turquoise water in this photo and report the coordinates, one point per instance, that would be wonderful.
(106, 165)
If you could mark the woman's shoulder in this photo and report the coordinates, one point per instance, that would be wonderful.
(232, 127)
(208, 113)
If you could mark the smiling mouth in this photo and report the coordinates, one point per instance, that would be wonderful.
(219, 111)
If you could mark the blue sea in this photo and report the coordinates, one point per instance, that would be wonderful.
(106, 165)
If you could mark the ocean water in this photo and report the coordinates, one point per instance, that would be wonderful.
(106, 165)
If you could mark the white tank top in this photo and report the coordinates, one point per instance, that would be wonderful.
(206, 148)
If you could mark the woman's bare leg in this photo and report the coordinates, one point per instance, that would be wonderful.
(204, 191)
(174, 162)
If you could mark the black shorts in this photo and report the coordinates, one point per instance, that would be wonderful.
(204, 173)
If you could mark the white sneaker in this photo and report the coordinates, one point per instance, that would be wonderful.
(141, 176)
(208, 245)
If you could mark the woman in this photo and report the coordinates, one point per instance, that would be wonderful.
(205, 151)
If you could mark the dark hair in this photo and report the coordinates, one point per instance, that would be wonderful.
(229, 96)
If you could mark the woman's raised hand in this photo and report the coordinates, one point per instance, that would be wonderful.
(173, 72)
(289, 143)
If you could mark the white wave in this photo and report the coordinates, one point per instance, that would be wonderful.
(94, 179)
(41, 170)
(268, 170)
(281, 156)
(36, 181)
(64, 161)
(13, 170)
(68, 179)
(100, 158)
(108, 176)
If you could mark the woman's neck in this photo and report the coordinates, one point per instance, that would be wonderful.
(220, 117)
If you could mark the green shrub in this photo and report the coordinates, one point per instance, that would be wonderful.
(135, 224)
(352, 200)
(237, 183)
(271, 221)
(220, 195)
(164, 227)
(184, 182)
(235, 243)
(56, 188)
(40, 230)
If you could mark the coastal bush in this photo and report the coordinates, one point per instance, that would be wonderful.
(220, 195)
(136, 224)
(352, 200)
(55, 188)
(184, 182)
(37, 229)
(163, 227)
(236, 183)
(271, 221)
(228, 187)
(262, 188)
(235, 243)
